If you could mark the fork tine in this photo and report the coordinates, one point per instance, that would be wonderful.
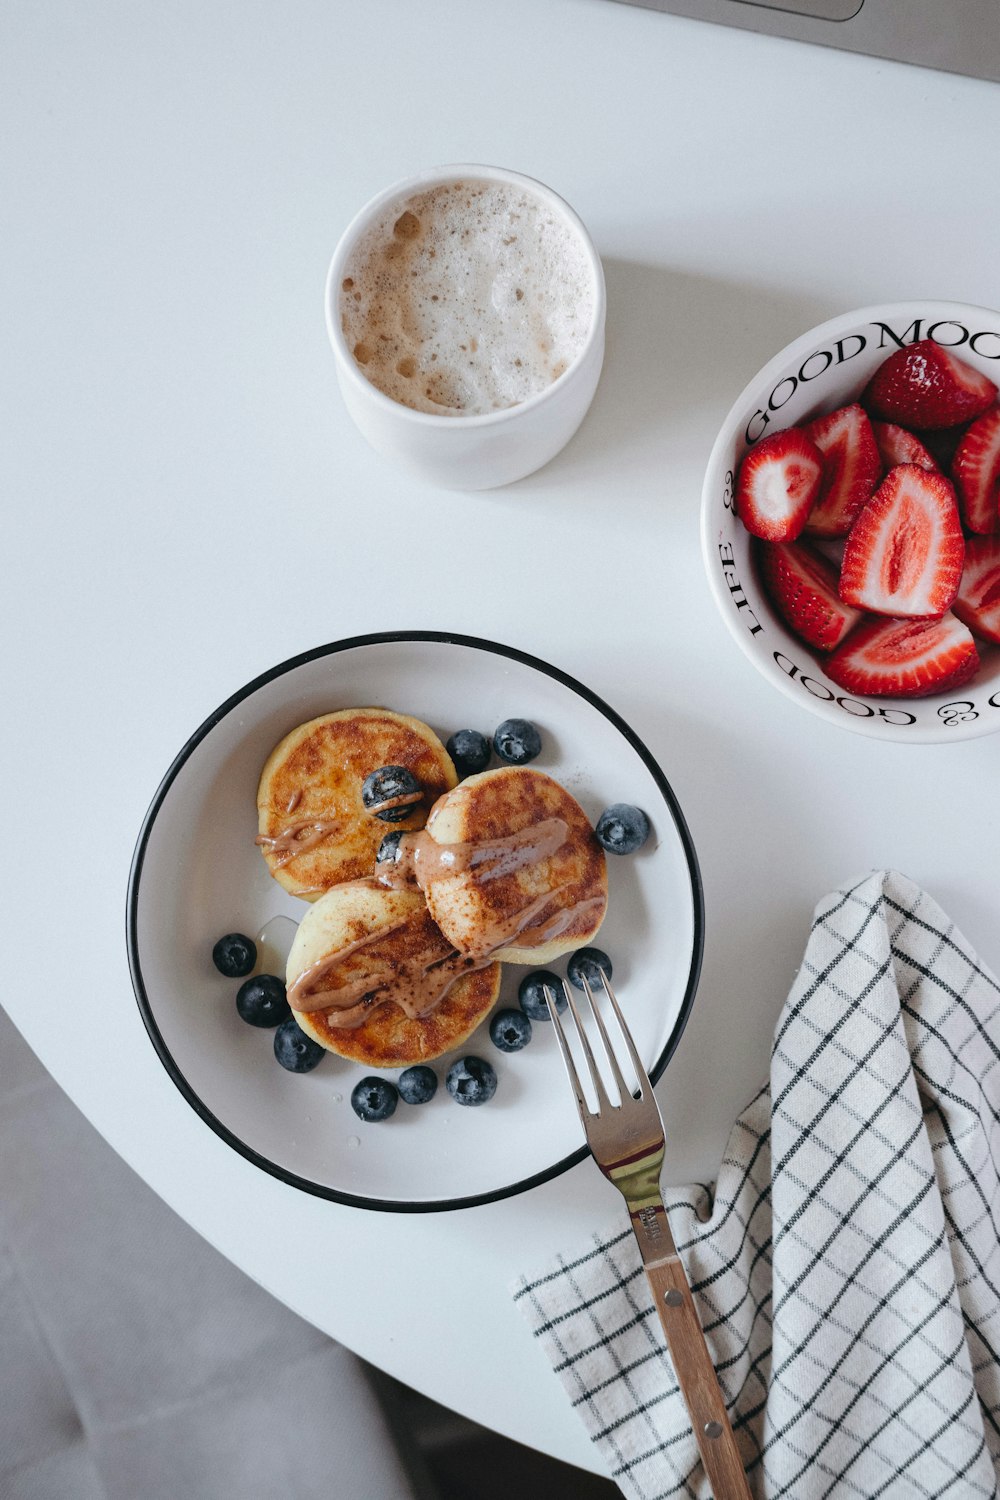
(567, 1056)
(603, 1102)
(645, 1087)
(624, 1092)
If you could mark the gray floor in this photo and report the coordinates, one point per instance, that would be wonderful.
(137, 1364)
(134, 1360)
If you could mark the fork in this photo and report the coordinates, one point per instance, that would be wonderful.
(626, 1140)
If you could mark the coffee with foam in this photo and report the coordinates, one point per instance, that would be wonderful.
(467, 298)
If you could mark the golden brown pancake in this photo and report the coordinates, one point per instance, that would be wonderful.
(528, 881)
(374, 952)
(309, 799)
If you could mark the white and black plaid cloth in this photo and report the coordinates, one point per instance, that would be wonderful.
(847, 1271)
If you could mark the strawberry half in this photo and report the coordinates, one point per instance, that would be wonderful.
(976, 471)
(851, 469)
(977, 603)
(897, 446)
(905, 552)
(924, 385)
(803, 589)
(905, 658)
(779, 480)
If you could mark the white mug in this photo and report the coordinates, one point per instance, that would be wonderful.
(469, 452)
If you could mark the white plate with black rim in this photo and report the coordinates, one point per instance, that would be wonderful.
(197, 874)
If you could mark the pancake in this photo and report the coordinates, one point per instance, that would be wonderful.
(510, 865)
(378, 954)
(309, 798)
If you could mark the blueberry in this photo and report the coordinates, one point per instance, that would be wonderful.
(417, 1085)
(516, 741)
(386, 785)
(470, 751)
(531, 994)
(234, 955)
(510, 1030)
(622, 829)
(261, 1000)
(295, 1050)
(388, 850)
(374, 1099)
(589, 961)
(471, 1081)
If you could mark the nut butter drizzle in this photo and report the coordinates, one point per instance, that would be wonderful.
(420, 983)
(417, 985)
(298, 838)
(307, 833)
(552, 927)
(405, 799)
(421, 859)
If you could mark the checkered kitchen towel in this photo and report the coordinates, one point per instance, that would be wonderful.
(847, 1272)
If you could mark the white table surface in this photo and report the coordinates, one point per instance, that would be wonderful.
(172, 182)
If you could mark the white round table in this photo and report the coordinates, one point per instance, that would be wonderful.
(173, 180)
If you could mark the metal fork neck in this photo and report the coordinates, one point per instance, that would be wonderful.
(639, 1184)
(652, 1230)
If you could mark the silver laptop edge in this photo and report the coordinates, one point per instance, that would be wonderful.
(958, 36)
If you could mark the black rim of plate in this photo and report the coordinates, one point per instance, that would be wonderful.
(387, 638)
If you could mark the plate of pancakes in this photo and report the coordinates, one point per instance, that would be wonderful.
(260, 826)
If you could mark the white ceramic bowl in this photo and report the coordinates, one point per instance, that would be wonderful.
(197, 875)
(826, 368)
(469, 452)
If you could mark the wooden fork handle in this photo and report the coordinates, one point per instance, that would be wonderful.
(697, 1379)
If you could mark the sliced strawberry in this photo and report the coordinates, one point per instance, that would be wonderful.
(905, 658)
(976, 471)
(897, 446)
(803, 588)
(905, 552)
(977, 603)
(851, 469)
(779, 480)
(924, 385)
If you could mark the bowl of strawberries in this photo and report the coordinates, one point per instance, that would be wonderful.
(851, 520)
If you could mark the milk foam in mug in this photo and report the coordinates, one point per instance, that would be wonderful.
(466, 310)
